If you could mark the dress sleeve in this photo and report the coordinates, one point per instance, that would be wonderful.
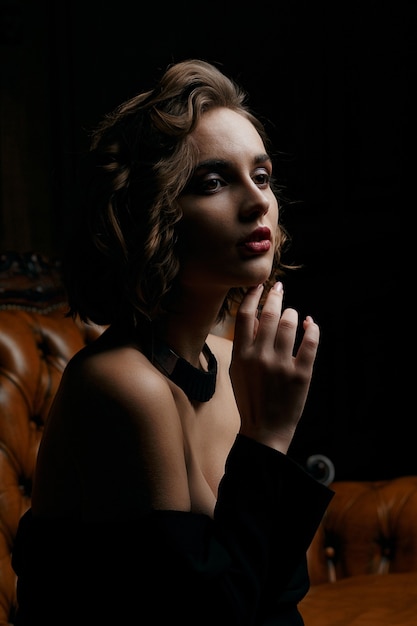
(244, 567)
(249, 556)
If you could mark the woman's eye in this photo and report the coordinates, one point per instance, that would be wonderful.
(211, 184)
(202, 186)
(262, 178)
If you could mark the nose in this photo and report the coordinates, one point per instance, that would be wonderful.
(255, 202)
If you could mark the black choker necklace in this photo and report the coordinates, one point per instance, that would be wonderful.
(196, 384)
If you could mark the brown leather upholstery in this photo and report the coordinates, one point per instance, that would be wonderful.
(363, 559)
(363, 600)
(36, 342)
(369, 528)
(368, 533)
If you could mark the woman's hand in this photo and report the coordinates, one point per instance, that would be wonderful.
(270, 381)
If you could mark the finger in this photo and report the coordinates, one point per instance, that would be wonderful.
(308, 347)
(286, 332)
(270, 316)
(246, 320)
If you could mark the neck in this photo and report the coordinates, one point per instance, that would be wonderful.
(186, 332)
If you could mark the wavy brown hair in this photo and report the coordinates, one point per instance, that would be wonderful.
(122, 264)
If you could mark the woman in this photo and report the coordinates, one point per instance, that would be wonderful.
(163, 490)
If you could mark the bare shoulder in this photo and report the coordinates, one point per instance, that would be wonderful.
(112, 398)
(120, 376)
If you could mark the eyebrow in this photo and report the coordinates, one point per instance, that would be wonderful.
(213, 164)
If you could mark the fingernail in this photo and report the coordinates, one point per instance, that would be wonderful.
(278, 287)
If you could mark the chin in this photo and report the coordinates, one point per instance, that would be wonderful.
(257, 279)
(260, 276)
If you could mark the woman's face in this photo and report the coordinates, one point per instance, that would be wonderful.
(230, 214)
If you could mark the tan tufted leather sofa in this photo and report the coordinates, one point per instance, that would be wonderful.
(363, 561)
(36, 342)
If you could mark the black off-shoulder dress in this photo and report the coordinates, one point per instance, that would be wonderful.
(245, 567)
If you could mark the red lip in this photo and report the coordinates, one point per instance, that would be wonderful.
(262, 233)
(258, 242)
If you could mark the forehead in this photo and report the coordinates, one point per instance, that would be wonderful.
(222, 132)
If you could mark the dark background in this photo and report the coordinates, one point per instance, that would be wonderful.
(335, 83)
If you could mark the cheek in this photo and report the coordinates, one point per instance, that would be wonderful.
(201, 241)
(202, 230)
(274, 207)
